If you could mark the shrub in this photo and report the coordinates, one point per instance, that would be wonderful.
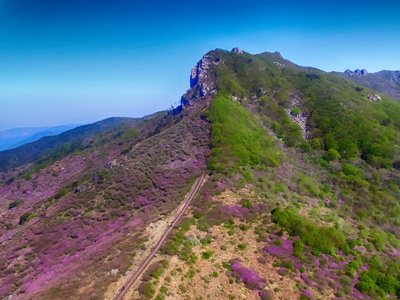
(26, 217)
(242, 246)
(349, 169)
(378, 238)
(237, 137)
(332, 154)
(15, 203)
(207, 254)
(307, 186)
(296, 111)
(298, 248)
(251, 278)
(146, 289)
(288, 264)
(322, 239)
(248, 204)
(266, 295)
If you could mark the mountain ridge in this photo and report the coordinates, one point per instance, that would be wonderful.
(15, 137)
(385, 81)
(301, 199)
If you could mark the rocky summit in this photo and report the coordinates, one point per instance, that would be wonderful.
(356, 72)
(269, 181)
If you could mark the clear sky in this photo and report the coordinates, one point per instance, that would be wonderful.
(70, 61)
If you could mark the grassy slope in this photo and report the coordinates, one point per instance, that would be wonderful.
(237, 138)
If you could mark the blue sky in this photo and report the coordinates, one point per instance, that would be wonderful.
(81, 61)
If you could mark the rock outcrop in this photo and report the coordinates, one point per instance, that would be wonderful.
(356, 72)
(202, 81)
(300, 119)
(237, 50)
(395, 78)
(281, 66)
(374, 97)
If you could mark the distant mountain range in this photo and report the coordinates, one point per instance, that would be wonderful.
(387, 82)
(15, 137)
(65, 143)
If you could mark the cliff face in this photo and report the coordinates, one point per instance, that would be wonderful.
(202, 79)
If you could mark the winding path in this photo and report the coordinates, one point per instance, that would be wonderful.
(143, 266)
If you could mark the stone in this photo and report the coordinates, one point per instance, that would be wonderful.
(374, 97)
(113, 271)
(281, 66)
(202, 84)
(80, 189)
(237, 50)
(194, 76)
(112, 163)
(266, 294)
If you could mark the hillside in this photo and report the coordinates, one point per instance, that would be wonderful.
(387, 82)
(300, 201)
(50, 131)
(66, 142)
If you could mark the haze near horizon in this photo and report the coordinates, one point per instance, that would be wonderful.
(79, 62)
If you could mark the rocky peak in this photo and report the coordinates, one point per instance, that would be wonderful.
(237, 50)
(201, 83)
(356, 72)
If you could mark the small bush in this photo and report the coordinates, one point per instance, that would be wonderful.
(332, 155)
(296, 111)
(15, 203)
(207, 254)
(242, 246)
(248, 204)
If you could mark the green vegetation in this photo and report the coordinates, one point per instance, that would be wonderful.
(15, 203)
(242, 246)
(376, 283)
(296, 111)
(237, 138)
(185, 252)
(340, 115)
(321, 239)
(49, 149)
(26, 217)
(207, 254)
